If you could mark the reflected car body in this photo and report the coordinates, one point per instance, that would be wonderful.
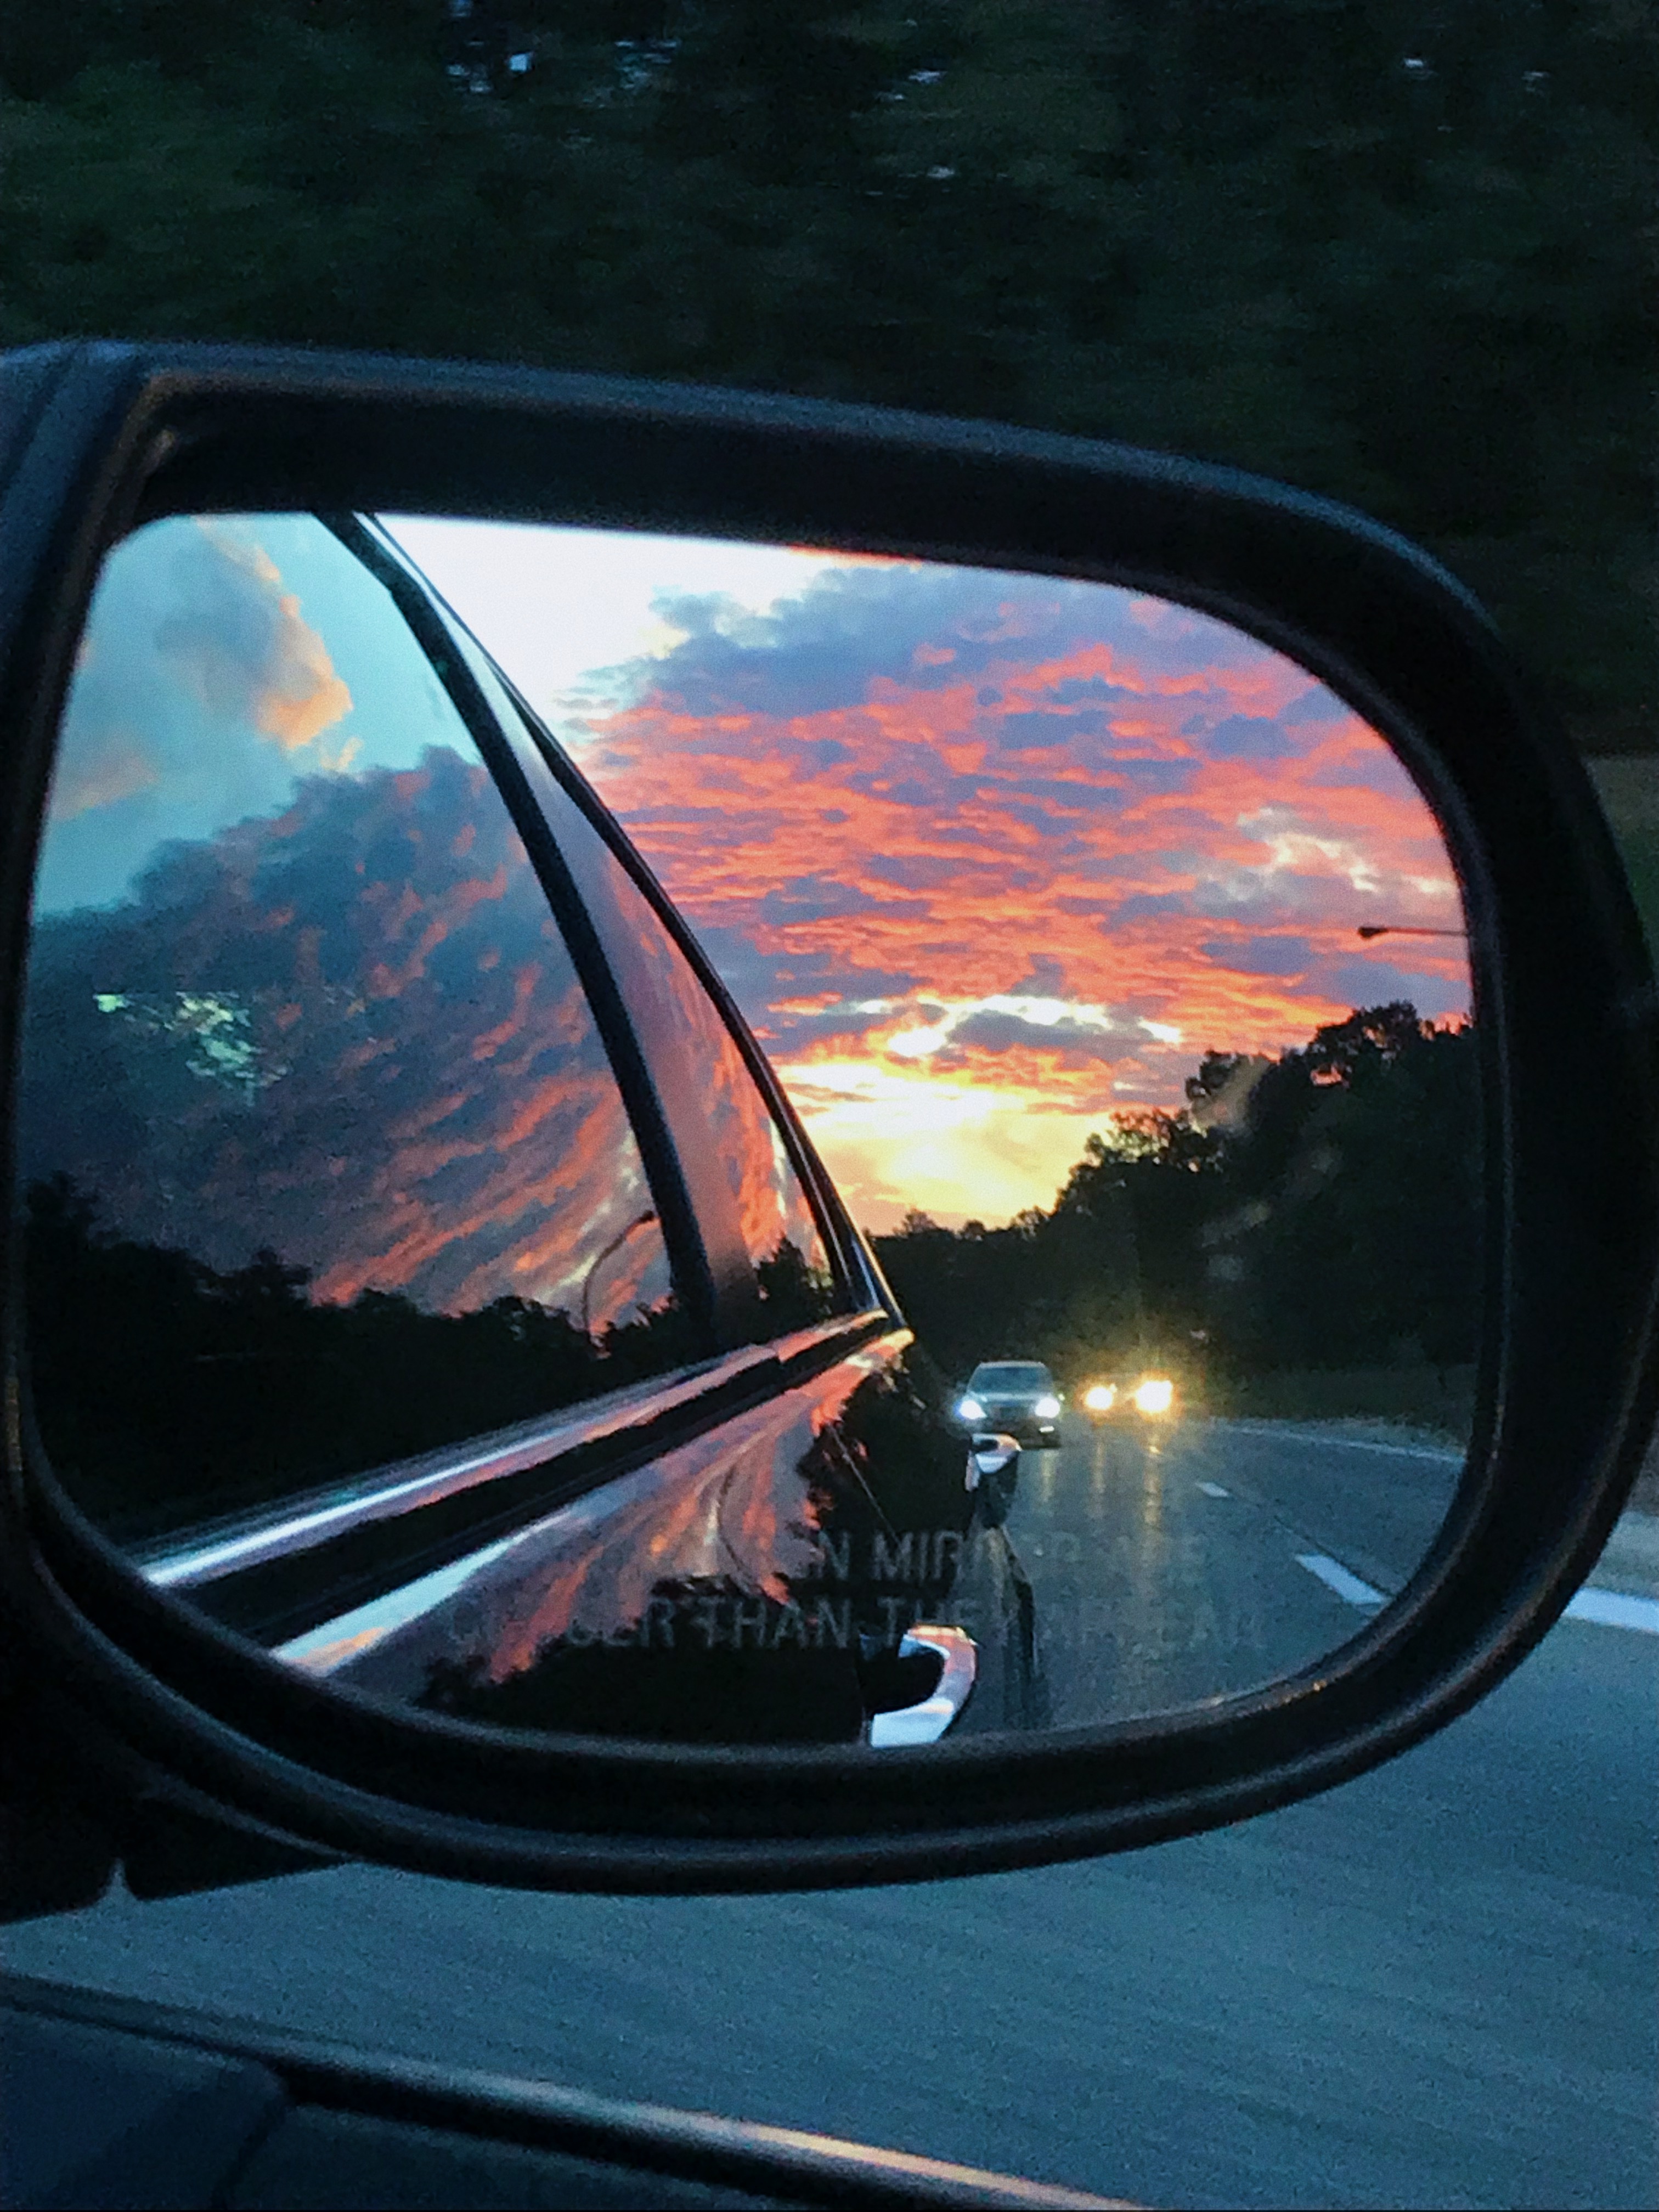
(590, 1411)
(1018, 1396)
(759, 1583)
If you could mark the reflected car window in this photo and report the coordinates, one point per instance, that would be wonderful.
(774, 1221)
(322, 1160)
(756, 1217)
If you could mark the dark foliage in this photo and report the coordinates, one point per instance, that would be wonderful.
(167, 1392)
(1319, 1210)
(1397, 252)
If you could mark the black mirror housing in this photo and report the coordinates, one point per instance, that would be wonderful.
(203, 1760)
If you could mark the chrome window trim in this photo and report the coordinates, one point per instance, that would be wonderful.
(215, 1551)
(424, 1614)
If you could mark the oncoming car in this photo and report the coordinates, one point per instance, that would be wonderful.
(1150, 1398)
(1017, 1396)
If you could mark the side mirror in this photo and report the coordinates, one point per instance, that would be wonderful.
(455, 1419)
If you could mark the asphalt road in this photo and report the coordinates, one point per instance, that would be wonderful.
(1162, 1563)
(1434, 1986)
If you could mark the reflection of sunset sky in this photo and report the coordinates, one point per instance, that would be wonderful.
(984, 858)
(305, 955)
(205, 694)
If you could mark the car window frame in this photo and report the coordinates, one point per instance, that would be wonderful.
(858, 1282)
(689, 1259)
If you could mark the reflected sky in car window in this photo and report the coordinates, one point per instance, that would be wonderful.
(315, 858)
(321, 1155)
(698, 1069)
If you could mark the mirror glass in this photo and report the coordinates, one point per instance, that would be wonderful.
(738, 1144)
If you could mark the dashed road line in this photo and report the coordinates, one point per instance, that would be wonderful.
(1215, 1490)
(1606, 1608)
(1335, 1576)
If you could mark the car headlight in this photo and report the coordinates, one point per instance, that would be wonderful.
(970, 1409)
(1047, 1408)
(1154, 1397)
(1100, 1397)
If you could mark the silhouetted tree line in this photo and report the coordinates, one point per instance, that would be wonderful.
(1321, 1209)
(1396, 252)
(167, 1392)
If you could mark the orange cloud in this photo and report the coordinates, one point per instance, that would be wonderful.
(270, 666)
(302, 697)
(1024, 872)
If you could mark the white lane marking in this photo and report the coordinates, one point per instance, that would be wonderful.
(1215, 1490)
(1612, 1610)
(1335, 1576)
(1295, 1433)
(1607, 1608)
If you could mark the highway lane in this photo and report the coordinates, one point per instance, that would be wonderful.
(1159, 1564)
(1433, 1986)
(1377, 1505)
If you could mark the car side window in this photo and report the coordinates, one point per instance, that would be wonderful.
(689, 1043)
(322, 1162)
(763, 1242)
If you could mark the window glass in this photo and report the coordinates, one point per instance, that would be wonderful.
(774, 1220)
(323, 1161)
(757, 1219)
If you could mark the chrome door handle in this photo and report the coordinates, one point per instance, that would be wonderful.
(989, 1454)
(926, 1721)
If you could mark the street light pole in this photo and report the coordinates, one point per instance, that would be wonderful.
(615, 1245)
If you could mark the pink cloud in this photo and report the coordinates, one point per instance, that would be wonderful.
(1144, 813)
